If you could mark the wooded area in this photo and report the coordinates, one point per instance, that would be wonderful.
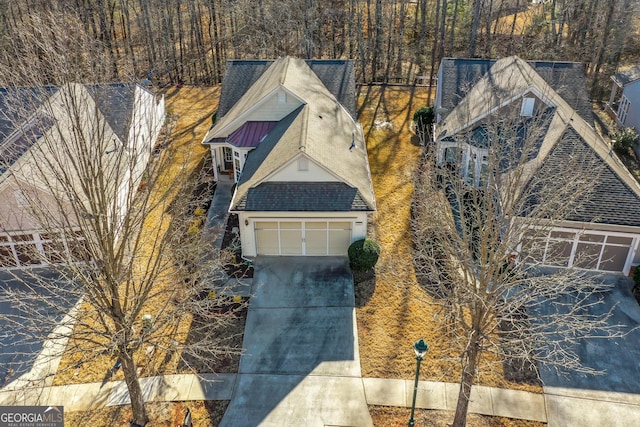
(188, 41)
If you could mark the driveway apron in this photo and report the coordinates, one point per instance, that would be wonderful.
(301, 364)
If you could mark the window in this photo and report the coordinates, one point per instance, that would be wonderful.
(227, 154)
(238, 169)
(303, 164)
(623, 109)
(527, 107)
(282, 98)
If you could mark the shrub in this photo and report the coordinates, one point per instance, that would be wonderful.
(624, 138)
(363, 254)
(424, 117)
(636, 277)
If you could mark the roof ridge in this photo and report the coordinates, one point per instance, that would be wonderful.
(285, 69)
(305, 128)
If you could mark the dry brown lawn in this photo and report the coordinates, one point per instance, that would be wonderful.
(384, 416)
(161, 414)
(399, 311)
(190, 109)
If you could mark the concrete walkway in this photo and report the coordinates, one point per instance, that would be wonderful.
(219, 210)
(558, 407)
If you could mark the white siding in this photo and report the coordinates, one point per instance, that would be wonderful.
(291, 172)
(632, 93)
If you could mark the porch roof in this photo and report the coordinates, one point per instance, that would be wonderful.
(249, 135)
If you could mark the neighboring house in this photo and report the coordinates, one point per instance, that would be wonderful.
(624, 102)
(287, 132)
(552, 101)
(126, 118)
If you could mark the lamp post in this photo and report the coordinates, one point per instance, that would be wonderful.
(420, 347)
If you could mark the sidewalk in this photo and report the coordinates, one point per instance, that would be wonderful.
(558, 406)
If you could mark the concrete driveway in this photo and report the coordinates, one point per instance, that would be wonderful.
(613, 397)
(29, 312)
(301, 365)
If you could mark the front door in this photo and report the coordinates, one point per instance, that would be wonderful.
(227, 156)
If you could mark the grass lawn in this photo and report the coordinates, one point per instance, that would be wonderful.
(398, 311)
(191, 108)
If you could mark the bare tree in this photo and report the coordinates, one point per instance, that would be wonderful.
(110, 213)
(486, 208)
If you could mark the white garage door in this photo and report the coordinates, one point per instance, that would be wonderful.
(588, 250)
(39, 249)
(302, 237)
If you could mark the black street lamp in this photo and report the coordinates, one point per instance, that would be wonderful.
(420, 347)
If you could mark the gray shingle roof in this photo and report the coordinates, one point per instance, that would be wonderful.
(337, 76)
(304, 197)
(459, 75)
(115, 101)
(615, 198)
(319, 129)
(628, 76)
(610, 201)
(18, 106)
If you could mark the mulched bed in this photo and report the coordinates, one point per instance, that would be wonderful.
(239, 268)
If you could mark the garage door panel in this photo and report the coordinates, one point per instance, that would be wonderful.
(291, 241)
(614, 258)
(267, 242)
(558, 253)
(316, 241)
(587, 256)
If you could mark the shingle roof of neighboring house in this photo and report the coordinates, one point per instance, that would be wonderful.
(628, 76)
(611, 200)
(18, 103)
(457, 76)
(615, 198)
(336, 75)
(320, 129)
(115, 102)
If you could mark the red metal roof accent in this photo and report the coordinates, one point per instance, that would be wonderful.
(250, 134)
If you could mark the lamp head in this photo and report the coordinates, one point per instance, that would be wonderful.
(420, 347)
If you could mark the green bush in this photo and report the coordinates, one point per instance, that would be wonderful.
(424, 117)
(363, 254)
(636, 277)
(624, 138)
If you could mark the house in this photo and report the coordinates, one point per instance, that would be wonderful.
(286, 131)
(548, 100)
(117, 124)
(624, 102)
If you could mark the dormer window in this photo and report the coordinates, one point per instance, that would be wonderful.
(527, 107)
(282, 97)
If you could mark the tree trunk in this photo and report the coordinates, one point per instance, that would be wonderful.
(597, 62)
(452, 34)
(469, 368)
(513, 28)
(133, 385)
(474, 28)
